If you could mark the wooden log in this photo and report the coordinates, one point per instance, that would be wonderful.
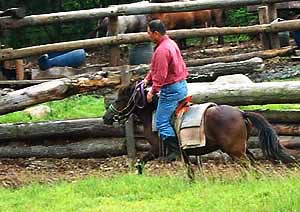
(62, 88)
(14, 13)
(246, 56)
(211, 72)
(55, 89)
(280, 116)
(204, 73)
(87, 148)
(283, 129)
(127, 9)
(290, 142)
(69, 129)
(19, 84)
(291, 25)
(246, 94)
(287, 129)
(92, 127)
(220, 156)
(233, 94)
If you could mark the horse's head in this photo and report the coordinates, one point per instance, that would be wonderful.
(129, 99)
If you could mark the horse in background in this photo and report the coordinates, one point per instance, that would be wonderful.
(126, 24)
(184, 20)
(217, 16)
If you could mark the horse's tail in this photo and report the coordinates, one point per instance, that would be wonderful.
(269, 139)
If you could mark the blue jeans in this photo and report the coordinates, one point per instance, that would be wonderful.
(170, 95)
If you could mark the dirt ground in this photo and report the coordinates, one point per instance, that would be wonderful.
(15, 173)
(18, 172)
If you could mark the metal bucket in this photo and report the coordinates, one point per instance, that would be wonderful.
(284, 38)
(140, 54)
(73, 58)
(297, 38)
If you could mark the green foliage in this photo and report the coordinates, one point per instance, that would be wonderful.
(144, 193)
(78, 106)
(38, 35)
(240, 17)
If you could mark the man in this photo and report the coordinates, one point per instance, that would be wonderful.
(168, 75)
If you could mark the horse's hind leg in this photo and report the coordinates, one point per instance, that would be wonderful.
(187, 162)
(250, 155)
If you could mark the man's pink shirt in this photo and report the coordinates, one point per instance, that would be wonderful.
(167, 65)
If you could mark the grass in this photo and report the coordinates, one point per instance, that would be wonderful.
(77, 106)
(157, 193)
(272, 107)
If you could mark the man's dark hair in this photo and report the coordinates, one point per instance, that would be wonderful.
(157, 25)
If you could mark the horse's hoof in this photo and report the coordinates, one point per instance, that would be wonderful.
(139, 166)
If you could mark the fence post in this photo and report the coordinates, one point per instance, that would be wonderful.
(274, 37)
(264, 19)
(19, 69)
(115, 49)
(129, 124)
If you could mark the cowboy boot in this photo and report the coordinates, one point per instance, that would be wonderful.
(173, 150)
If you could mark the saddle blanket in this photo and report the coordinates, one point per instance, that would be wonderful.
(190, 126)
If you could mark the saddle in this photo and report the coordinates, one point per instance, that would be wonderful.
(189, 123)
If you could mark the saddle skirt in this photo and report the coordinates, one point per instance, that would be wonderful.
(189, 125)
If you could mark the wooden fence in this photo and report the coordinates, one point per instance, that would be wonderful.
(136, 8)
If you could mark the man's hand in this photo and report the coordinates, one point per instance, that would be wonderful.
(146, 82)
(149, 97)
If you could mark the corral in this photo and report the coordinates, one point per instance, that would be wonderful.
(20, 53)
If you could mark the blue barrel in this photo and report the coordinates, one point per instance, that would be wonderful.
(140, 54)
(73, 58)
(297, 38)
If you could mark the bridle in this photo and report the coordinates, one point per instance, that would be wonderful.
(135, 100)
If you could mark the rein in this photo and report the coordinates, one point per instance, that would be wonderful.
(133, 102)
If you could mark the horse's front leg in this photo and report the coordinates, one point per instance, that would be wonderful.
(153, 153)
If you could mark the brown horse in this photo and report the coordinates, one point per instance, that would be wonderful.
(226, 128)
(216, 17)
(184, 20)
